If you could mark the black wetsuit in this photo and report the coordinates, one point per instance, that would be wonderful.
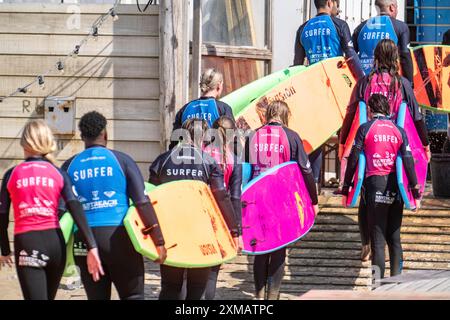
(106, 180)
(359, 94)
(34, 188)
(381, 140)
(186, 162)
(286, 145)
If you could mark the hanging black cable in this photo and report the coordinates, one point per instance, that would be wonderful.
(146, 6)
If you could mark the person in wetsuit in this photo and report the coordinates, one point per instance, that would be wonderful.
(207, 107)
(382, 140)
(34, 188)
(268, 269)
(383, 79)
(106, 180)
(221, 149)
(384, 26)
(322, 37)
(187, 161)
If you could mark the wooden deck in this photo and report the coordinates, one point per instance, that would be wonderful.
(414, 285)
(418, 281)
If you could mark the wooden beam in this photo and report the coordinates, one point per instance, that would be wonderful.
(236, 52)
(197, 49)
(95, 9)
(172, 21)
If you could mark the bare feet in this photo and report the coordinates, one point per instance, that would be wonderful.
(365, 253)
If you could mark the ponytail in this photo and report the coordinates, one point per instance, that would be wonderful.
(37, 139)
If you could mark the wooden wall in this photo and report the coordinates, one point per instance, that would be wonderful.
(117, 75)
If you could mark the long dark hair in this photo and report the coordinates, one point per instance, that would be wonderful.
(387, 60)
(378, 103)
(197, 129)
(223, 125)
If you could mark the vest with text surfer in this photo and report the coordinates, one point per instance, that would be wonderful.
(374, 30)
(320, 39)
(35, 188)
(102, 186)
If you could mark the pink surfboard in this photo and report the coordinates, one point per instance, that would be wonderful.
(405, 121)
(276, 210)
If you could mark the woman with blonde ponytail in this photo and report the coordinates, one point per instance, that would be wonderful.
(207, 107)
(34, 188)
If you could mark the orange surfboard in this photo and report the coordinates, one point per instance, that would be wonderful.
(431, 78)
(193, 227)
(317, 97)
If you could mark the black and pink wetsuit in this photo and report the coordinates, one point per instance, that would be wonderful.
(382, 140)
(34, 188)
(272, 145)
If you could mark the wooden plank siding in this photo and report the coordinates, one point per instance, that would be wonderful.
(117, 75)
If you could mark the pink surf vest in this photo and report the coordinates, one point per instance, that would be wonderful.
(381, 84)
(269, 148)
(35, 189)
(226, 167)
(381, 146)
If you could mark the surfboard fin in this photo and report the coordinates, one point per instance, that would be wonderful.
(245, 204)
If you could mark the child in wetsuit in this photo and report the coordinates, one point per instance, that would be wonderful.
(179, 164)
(382, 140)
(269, 268)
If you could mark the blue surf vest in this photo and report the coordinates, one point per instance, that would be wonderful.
(375, 30)
(101, 186)
(205, 109)
(321, 39)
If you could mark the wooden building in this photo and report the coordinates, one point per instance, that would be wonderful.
(117, 74)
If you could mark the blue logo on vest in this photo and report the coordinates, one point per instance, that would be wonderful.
(101, 187)
(320, 39)
(375, 30)
(202, 109)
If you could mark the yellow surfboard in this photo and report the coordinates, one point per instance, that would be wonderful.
(317, 96)
(193, 227)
